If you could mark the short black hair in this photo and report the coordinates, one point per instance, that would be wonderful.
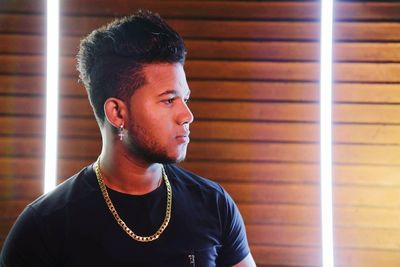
(111, 58)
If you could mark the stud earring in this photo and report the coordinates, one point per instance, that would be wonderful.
(121, 132)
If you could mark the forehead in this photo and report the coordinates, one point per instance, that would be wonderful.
(165, 76)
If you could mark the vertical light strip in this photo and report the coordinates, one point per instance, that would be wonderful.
(52, 57)
(326, 132)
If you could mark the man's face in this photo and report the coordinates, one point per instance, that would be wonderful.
(158, 127)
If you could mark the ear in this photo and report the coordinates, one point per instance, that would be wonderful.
(116, 111)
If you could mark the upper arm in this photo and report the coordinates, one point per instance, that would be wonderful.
(246, 262)
(235, 247)
(24, 244)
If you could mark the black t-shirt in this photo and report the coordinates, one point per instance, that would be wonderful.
(72, 226)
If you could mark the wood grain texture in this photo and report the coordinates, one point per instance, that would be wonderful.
(253, 71)
(230, 49)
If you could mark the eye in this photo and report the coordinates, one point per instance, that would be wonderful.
(169, 101)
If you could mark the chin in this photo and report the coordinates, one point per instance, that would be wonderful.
(179, 157)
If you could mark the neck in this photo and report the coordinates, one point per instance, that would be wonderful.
(124, 173)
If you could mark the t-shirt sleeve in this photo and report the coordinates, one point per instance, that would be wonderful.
(24, 244)
(235, 246)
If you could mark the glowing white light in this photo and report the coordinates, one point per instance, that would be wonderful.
(50, 169)
(326, 132)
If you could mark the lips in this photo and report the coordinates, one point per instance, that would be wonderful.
(183, 137)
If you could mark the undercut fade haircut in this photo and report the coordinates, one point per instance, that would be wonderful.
(111, 58)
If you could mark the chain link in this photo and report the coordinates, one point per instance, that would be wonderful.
(121, 223)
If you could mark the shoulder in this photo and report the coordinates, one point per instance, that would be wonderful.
(38, 233)
(195, 188)
(67, 193)
(189, 179)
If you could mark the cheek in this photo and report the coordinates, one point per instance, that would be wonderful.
(158, 123)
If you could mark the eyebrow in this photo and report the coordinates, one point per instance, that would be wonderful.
(172, 92)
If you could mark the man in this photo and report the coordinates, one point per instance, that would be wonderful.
(133, 206)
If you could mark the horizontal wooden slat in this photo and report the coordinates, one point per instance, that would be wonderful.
(21, 85)
(366, 258)
(310, 236)
(216, 110)
(292, 173)
(309, 194)
(197, 49)
(359, 72)
(256, 30)
(12, 23)
(361, 175)
(294, 132)
(365, 113)
(386, 239)
(200, 9)
(302, 256)
(244, 30)
(23, 6)
(178, 9)
(234, 90)
(367, 134)
(279, 214)
(32, 168)
(293, 256)
(295, 112)
(22, 65)
(11, 209)
(288, 235)
(367, 31)
(21, 146)
(283, 235)
(283, 214)
(208, 29)
(196, 69)
(344, 196)
(15, 188)
(239, 10)
(357, 154)
(377, 217)
(359, 52)
(25, 105)
(367, 196)
(231, 50)
(17, 44)
(11, 168)
(367, 10)
(21, 126)
(211, 9)
(252, 70)
(369, 93)
(225, 151)
(362, 113)
(248, 152)
(273, 193)
(248, 131)
(255, 111)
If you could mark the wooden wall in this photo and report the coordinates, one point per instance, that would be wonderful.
(367, 136)
(22, 89)
(253, 70)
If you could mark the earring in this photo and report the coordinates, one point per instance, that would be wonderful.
(121, 132)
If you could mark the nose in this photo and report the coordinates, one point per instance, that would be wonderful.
(185, 115)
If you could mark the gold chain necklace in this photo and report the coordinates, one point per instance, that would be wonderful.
(121, 223)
